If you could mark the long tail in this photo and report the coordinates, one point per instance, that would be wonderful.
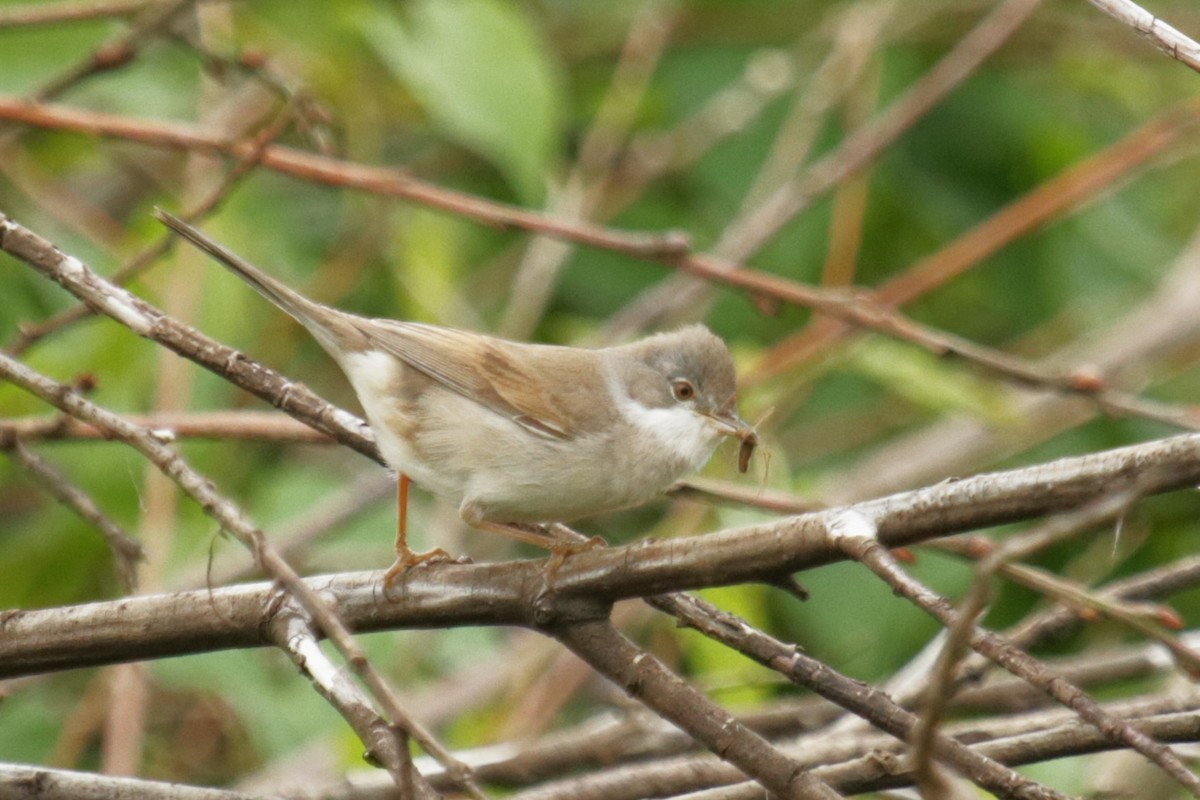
(318, 319)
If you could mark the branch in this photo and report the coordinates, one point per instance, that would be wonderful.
(942, 683)
(643, 676)
(630, 756)
(856, 537)
(261, 426)
(865, 312)
(1067, 191)
(855, 764)
(151, 323)
(507, 593)
(339, 173)
(1160, 34)
(27, 14)
(115, 52)
(291, 629)
(43, 783)
(231, 519)
(872, 705)
(125, 549)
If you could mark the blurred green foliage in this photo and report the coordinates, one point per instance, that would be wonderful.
(493, 98)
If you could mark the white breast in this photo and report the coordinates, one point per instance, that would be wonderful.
(686, 436)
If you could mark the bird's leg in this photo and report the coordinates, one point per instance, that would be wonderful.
(402, 482)
(573, 537)
(560, 540)
(405, 557)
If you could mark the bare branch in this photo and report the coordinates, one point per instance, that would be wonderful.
(147, 321)
(858, 541)
(874, 706)
(231, 519)
(1160, 34)
(262, 426)
(125, 549)
(343, 174)
(506, 594)
(13, 16)
(44, 783)
(644, 677)
(295, 636)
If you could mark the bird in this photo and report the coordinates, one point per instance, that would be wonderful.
(521, 436)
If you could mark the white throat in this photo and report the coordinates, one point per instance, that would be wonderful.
(686, 435)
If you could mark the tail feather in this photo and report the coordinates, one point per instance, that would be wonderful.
(318, 319)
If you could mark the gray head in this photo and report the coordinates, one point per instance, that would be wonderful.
(680, 389)
(689, 367)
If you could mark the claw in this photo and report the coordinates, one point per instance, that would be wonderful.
(560, 551)
(408, 559)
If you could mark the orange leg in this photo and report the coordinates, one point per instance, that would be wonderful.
(402, 515)
(405, 557)
(560, 540)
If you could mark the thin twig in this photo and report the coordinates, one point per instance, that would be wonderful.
(1172, 42)
(125, 549)
(261, 426)
(293, 633)
(31, 334)
(114, 53)
(643, 676)
(233, 520)
(873, 706)
(1158, 337)
(29, 14)
(864, 312)
(340, 173)
(147, 321)
(1146, 619)
(855, 535)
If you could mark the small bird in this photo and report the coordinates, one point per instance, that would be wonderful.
(520, 435)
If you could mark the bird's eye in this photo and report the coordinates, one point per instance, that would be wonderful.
(682, 389)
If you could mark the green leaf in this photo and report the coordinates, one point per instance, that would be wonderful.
(741, 683)
(484, 75)
(928, 381)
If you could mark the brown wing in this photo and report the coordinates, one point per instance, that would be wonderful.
(477, 367)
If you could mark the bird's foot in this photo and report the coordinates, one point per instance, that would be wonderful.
(572, 540)
(407, 559)
(561, 550)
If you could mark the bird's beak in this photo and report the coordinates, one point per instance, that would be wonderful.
(731, 424)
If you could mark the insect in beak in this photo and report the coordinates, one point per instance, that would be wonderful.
(749, 441)
(735, 426)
